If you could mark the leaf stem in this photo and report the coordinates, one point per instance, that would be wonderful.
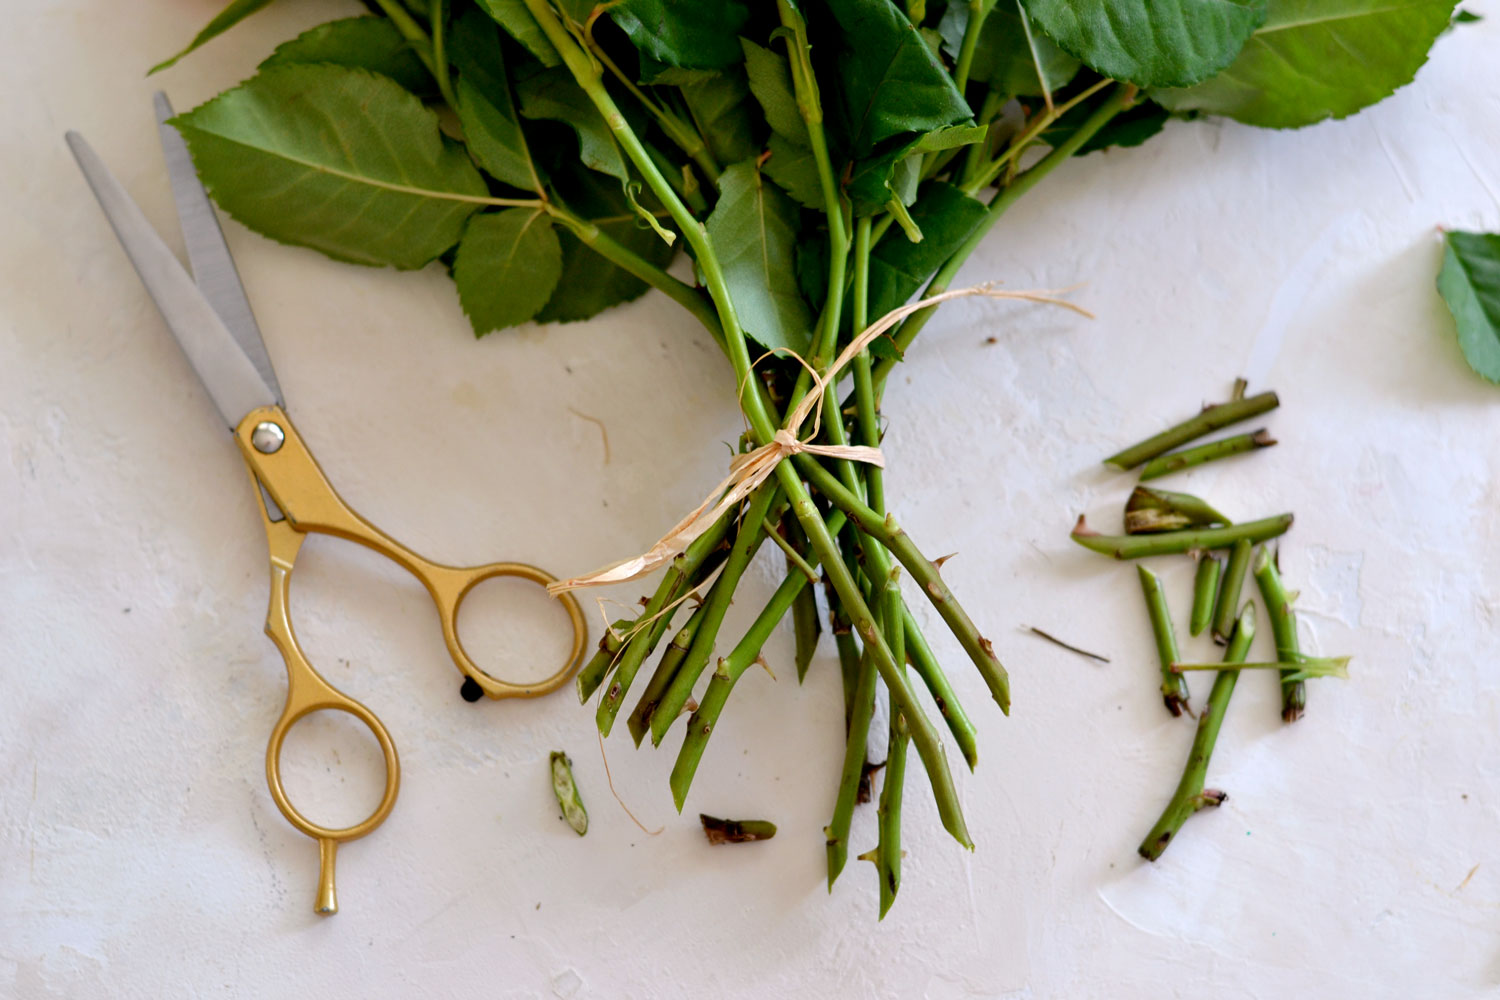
(978, 11)
(438, 18)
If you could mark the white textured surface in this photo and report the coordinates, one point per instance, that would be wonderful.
(140, 854)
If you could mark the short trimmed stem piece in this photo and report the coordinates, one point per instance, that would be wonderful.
(1284, 628)
(1177, 542)
(1205, 591)
(1190, 795)
(1303, 667)
(1211, 419)
(1229, 590)
(1176, 461)
(1174, 692)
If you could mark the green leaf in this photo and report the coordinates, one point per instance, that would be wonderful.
(687, 33)
(1011, 59)
(890, 82)
(1151, 43)
(771, 83)
(371, 43)
(227, 18)
(553, 94)
(1317, 59)
(484, 108)
(720, 108)
(894, 172)
(507, 266)
(589, 283)
(518, 23)
(1470, 284)
(1130, 127)
(792, 167)
(754, 228)
(899, 267)
(341, 160)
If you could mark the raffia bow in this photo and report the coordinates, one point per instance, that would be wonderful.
(749, 470)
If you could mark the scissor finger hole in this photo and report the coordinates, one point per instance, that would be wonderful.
(513, 630)
(332, 769)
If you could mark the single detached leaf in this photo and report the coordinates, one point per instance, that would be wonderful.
(233, 14)
(754, 229)
(506, 268)
(899, 267)
(1011, 59)
(341, 160)
(484, 108)
(891, 82)
(687, 33)
(792, 167)
(1151, 43)
(719, 104)
(589, 283)
(553, 94)
(518, 23)
(1470, 284)
(771, 83)
(1317, 59)
(371, 43)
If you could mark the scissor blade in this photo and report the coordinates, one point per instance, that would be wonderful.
(232, 381)
(208, 255)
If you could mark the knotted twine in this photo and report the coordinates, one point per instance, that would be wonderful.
(747, 471)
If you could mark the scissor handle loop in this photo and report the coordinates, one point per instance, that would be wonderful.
(449, 586)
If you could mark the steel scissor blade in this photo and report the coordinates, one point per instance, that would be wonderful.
(226, 371)
(208, 255)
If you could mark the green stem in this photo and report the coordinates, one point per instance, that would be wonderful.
(1284, 629)
(438, 18)
(925, 662)
(1206, 422)
(1190, 795)
(855, 746)
(683, 136)
(978, 11)
(681, 179)
(1176, 542)
(639, 722)
(1229, 590)
(888, 848)
(1176, 461)
(1205, 591)
(599, 665)
(867, 416)
(1302, 667)
(1174, 692)
(1007, 196)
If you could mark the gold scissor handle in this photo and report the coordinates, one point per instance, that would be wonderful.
(308, 692)
(292, 476)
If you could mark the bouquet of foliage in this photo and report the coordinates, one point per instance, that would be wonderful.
(822, 163)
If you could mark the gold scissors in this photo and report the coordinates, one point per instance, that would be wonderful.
(210, 316)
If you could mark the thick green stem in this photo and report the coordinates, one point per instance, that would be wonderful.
(855, 746)
(639, 722)
(1211, 419)
(1174, 692)
(1205, 591)
(1190, 795)
(601, 663)
(1229, 590)
(1284, 629)
(1177, 542)
(1164, 465)
(888, 848)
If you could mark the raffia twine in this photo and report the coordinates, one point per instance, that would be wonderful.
(749, 470)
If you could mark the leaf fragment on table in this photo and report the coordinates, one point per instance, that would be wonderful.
(1470, 285)
(566, 790)
(735, 831)
(1317, 59)
(507, 266)
(338, 159)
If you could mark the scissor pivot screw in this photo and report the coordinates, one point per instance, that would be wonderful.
(267, 437)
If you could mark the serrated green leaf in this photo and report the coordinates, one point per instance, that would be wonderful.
(793, 168)
(553, 94)
(890, 81)
(518, 23)
(687, 33)
(1317, 59)
(1470, 285)
(719, 104)
(589, 283)
(894, 171)
(899, 267)
(1151, 43)
(371, 43)
(754, 228)
(507, 266)
(491, 129)
(233, 14)
(341, 160)
(1011, 59)
(771, 83)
